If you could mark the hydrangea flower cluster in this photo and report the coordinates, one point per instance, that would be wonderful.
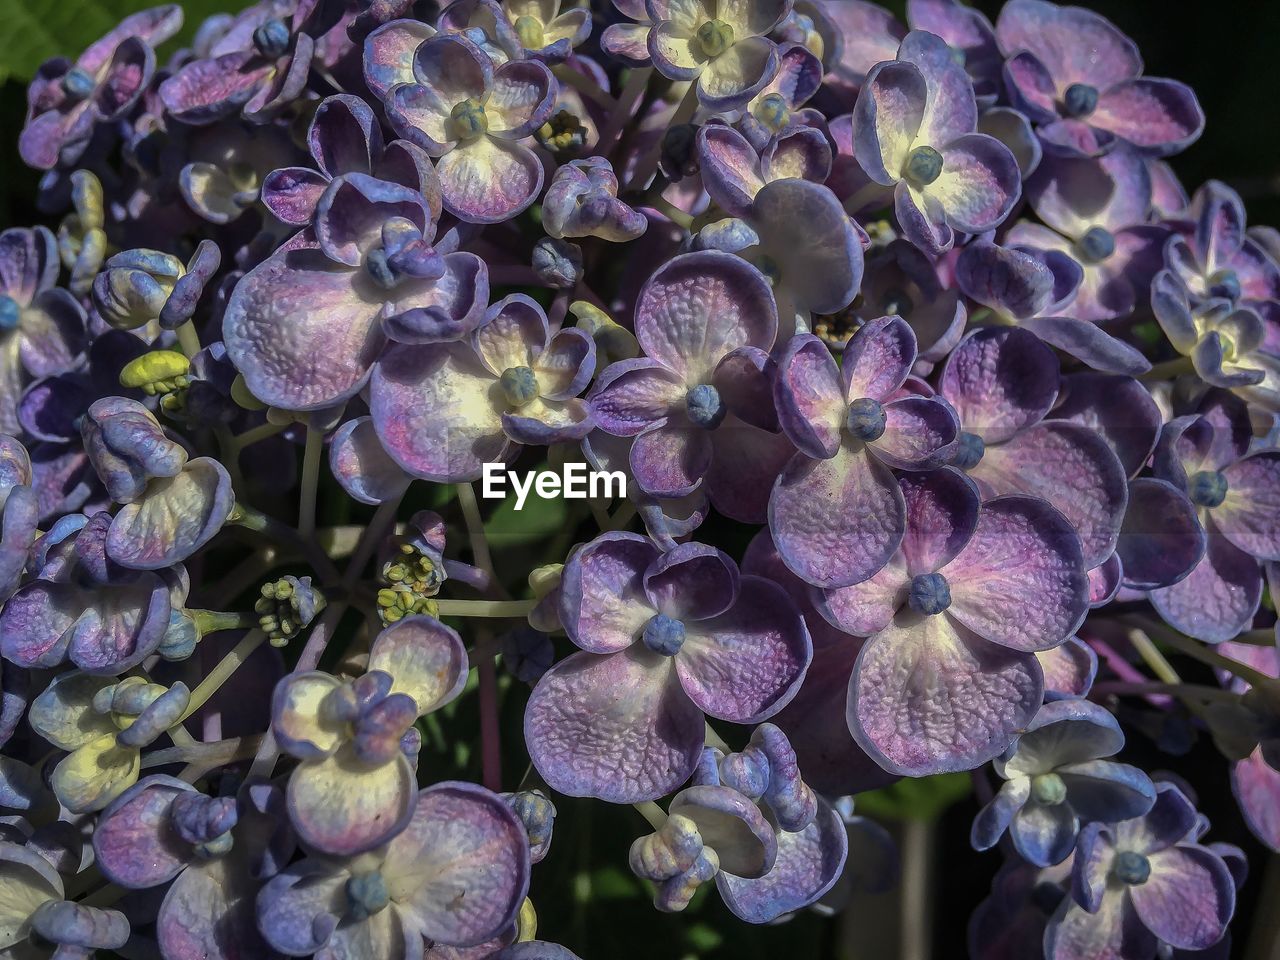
(918, 309)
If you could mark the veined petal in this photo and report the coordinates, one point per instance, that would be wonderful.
(425, 659)
(434, 413)
(345, 807)
(617, 727)
(389, 52)
(928, 696)
(488, 180)
(1189, 898)
(837, 521)
(1250, 515)
(730, 80)
(887, 118)
(603, 604)
(979, 184)
(175, 518)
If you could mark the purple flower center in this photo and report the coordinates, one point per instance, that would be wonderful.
(272, 38)
(865, 419)
(969, 451)
(663, 635)
(924, 165)
(10, 313)
(1131, 868)
(1080, 100)
(519, 385)
(1048, 789)
(366, 895)
(1096, 245)
(1224, 284)
(715, 37)
(1208, 488)
(929, 594)
(77, 84)
(705, 408)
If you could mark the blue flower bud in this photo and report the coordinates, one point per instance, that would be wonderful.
(663, 635)
(180, 637)
(271, 38)
(1096, 245)
(1224, 284)
(865, 419)
(705, 408)
(969, 451)
(1131, 868)
(1208, 488)
(924, 166)
(366, 895)
(77, 84)
(1080, 100)
(10, 313)
(557, 262)
(930, 594)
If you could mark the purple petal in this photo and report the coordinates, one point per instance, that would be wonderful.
(927, 696)
(919, 433)
(747, 663)
(809, 396)
(888, 115)
(1073, 43)
(388, 54)
(603, 604)
(1120, 409)
(1000, 381)
(671, 461)
(878, 358)
(1160, 116)
(135, 844)
(1189, 898)
(1250, 515)
(463, 841)
(699, 307)
(175, 518)
(1161, 540)
(691, 582)
(363, 468)
(277, 314)
(1036, 461)
(979, 185)
(836, 521)
(807, 866)
(432, 409)
(617, 727)
(1218, 599)
(1019, 581)
(488, 180)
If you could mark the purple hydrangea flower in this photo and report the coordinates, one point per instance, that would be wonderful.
(582, 201)
(1206, 456)
(67, 102)
(665, 639)
(473, 117)
(914, 130)
(355, 787)
(35, 911)
(444, 410)
(968, 32)
(345, 137)
(41, 326)
(724, 46)
(1080, 80)
(1032, 288)
(1140, 881)
(961, 607)
(1056, 777)
(629, 41)
(697, 402)
(1096, 211)
(368, 273)
(836, 512)
(1003, 383)
(459, 841)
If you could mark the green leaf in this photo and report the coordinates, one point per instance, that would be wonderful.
(925, 798)
(540, 518)
(34, 32)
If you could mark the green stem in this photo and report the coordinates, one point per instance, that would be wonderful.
(311, 456)
(673, 213)
(209, 755)
(1198, 651)
(511, 609)
(1153, 657)
(480, 555)
(252, 436)
(383, 519)
(1183, 691)
(585, 86)
(257, 521)
(653, 813)
(621, 115)
(212, 621)
(223, 671)
(1168, 370)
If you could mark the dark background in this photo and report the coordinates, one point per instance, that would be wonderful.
(585, 896)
